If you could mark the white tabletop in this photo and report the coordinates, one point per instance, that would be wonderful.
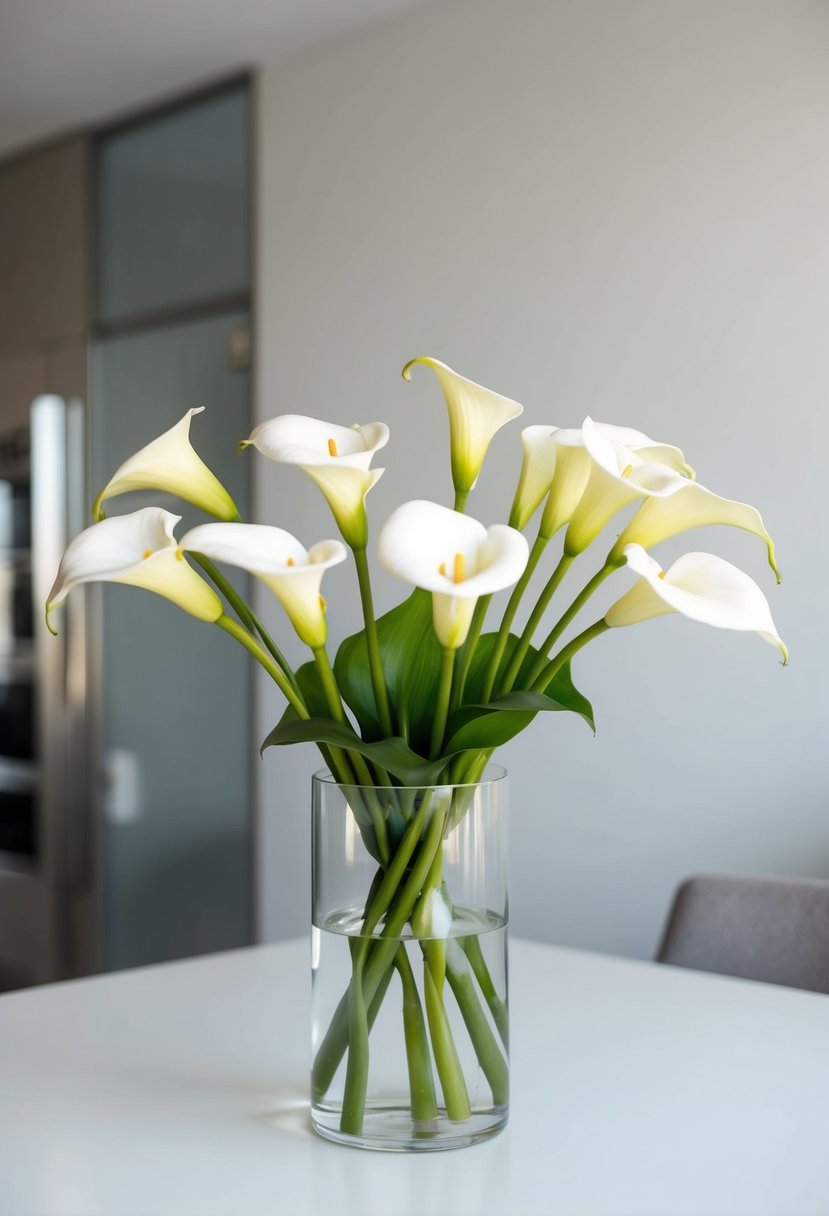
(637, 1090)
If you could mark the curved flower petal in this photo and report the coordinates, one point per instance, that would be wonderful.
(338, 458)
(569, 480)
(700, 586)
(138, 549)
(538, 466)
(475, 414)
(573, 466)
(650, 450)
(346, 488)
(293, 573)
(170, 463)
(295, 439)
(693, 507)
(453, 556)
(618, 476)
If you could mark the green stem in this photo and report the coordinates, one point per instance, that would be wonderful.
(467, 654)
(566, 653)
(335, 1043)
(537, 613)
(405, 897)
(356, 1071)
(387, 889)
(335, 758)
(329, 685)
(364, 776)
(421, 1081)
(245, 614)
(490, 1056)
(227, 589)
(274, 650)
(447, 1062)
(558, 629)
(539, 545)
(471, 947)
(375, 661)
(250, 643)
(460, 500)
(447, 665)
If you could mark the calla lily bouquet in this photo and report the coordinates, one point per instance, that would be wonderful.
(423, 695)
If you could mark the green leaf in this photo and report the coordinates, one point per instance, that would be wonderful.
(411, 657)
(563, 691)
(308, 679)
(495, 723)
(394, 755)
(560, 689)
(482, 725)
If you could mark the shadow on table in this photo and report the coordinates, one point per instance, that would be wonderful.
(290, 1112)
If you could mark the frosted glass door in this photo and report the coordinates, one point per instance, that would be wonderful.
(173, 207)
(176, 739)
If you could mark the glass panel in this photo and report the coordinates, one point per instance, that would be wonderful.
(173, 209)
(176, 736)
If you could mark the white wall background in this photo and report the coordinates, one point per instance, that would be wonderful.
(593, 206)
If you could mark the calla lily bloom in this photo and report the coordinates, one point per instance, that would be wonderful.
(170, 463)
(556, 464)
(139, 549)
(693, 507)
(293, 573)
(453, 556)
(336, 457)
(700, 586)
(475, 414)
(618, 475)
(538, 466)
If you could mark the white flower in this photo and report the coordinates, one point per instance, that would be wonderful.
(617, 475)
(336, 457)
(139, 549)
(475, 414)
(293, 573)
(572, 469)
(557, 464)
(538, 466)
(171, 464)
(454, 557)
(700, 586)
(693, 507)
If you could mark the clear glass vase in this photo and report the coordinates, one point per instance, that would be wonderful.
(409, 1023)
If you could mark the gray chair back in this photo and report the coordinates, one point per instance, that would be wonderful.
(770, 929)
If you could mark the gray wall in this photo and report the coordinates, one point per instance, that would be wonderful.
(614, 208)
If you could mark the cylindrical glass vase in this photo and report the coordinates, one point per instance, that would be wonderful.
(409, 1031)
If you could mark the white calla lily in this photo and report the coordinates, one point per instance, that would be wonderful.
(475, 415)
(693, 507)
(618, 475)
(453, 556)
(649, 450)
(138, 549)
(336, 457)
(170, 463)
(293, 573)
(538, 466)
(572, 469)
(567, 468)
(700, 586)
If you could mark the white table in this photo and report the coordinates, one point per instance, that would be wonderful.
(637, 1090)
